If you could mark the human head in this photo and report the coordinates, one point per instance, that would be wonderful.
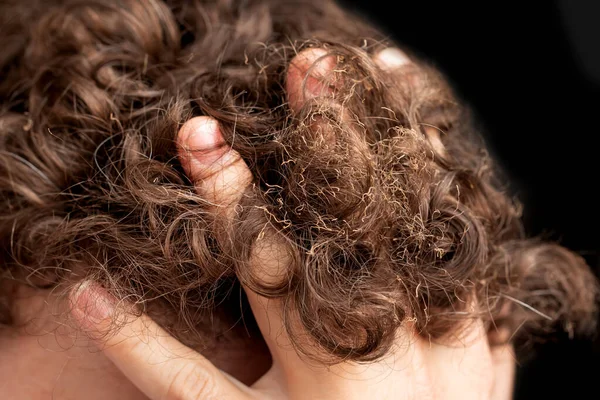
(402, 215)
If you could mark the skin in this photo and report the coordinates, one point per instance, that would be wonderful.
(141, 360)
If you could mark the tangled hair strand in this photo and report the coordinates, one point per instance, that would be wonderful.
(382, 226)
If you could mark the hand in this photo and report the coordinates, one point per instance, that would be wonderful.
(163, 368)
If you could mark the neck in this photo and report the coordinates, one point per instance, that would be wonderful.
(43, 356)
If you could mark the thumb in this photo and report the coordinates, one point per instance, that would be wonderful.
(159, 365)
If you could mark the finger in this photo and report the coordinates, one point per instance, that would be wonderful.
(309, 76)
(160, 366)
(395, 60)
(504, 365)
(218, 171)
(220, 175)
(461, 363)
(391, 59)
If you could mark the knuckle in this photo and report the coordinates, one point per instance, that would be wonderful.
(192, 382)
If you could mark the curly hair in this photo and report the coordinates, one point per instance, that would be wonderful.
(385, 221)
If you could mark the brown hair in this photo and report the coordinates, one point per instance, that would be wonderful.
(382, 225)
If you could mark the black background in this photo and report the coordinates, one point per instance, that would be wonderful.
(531, 72)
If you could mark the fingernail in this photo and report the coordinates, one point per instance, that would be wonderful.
(307, 76)
(206, 143)
(392, 58)
(92, 302)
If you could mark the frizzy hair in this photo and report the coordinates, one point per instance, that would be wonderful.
(381, 226)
